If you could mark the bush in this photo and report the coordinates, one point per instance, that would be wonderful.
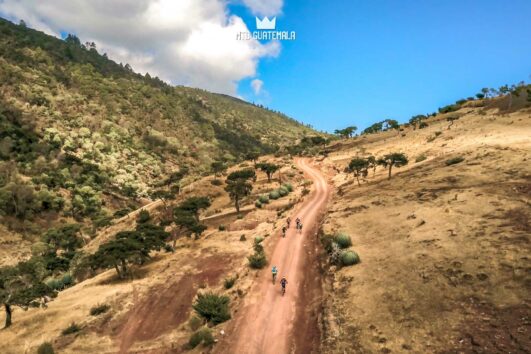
(283, 192)
(257, 260)
(67, 280)
(420, 158)
(45, 348)
(203, 335)
(274, 195)
(343, 240)
(143, 216)
(194, 323)
(264, 199)
(258, 204)
(423, 125)
(99, 309)
(213, 308)
(349, 258)
(243, 238)
(216, 182)
(73, 328)
(222, 228)
(288, 186)
(258, 239)
(454, 160)
(229, 282)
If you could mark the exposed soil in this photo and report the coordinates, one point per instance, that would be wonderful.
(166, 306)
(269, 322)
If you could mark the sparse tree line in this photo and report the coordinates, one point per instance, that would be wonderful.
(360, 167)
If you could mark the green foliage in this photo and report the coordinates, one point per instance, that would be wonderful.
(73, 328)
(242, 174)
(449, 108)
(269, 169)
(258, 204)
(229, 282)
(204, 336)
(222, 228)
(288, 187)
(66, 237)
(257, 260)
(194, 323)
(143, 217)
(237, 190)
(216, 182)
(454, 160)
(212, 307)
(283, 192)
(264, 199)
(347, 132)
(258, 239)
(349, 258)
(129, 247)
(394, 159)
(343, 240)
(359, 167)
(45, 348)
(99, 309)
(274, 195)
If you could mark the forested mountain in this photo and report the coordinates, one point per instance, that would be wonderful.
(82, 136)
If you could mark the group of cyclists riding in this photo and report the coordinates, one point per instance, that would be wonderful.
(298, 226)
(274, 270)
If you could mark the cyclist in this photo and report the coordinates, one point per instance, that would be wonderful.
(300, 228)
(283, 231)
(288, 221)
(283, 283)
(298, 221)
(274, 271)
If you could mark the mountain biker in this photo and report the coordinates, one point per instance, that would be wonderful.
(288, 221)
(298, 221)
(300, 228)
(283, 231)
(283, 283)
(274, 271)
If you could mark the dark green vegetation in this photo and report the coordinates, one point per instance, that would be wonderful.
(337, 248)
(258, 259)
(360, 166)
(213, 308)
(84, 138)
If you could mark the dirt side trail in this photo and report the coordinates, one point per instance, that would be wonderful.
(269, 322)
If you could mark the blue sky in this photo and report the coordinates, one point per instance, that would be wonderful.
(356, 62)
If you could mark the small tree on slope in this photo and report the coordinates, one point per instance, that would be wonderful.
(395, 159)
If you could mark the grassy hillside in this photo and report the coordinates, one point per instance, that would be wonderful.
(83, 137)
(444, 244)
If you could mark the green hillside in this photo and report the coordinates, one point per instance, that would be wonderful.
(82, 136)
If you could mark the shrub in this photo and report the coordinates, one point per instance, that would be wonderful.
(243, 238)
(203, 335)
(258, 204)
(288, 186)
(45, 348)
(213, 308)
(67, 280)
(257, 260)
(229, 282)
(264, 199)
(327, 241)
(283, 192)
(343, 240)
(73, 328)
(143, 216)
(274, 195)
(420, 158)
(349, 258)
(99, 309)
(258, 239)
(455, 160)
(423, 125)
(216, 182)
(194, 323)
(222, 228)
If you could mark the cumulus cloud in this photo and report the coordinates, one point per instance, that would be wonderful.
(264, 7)
(188, 42)
(257, 86)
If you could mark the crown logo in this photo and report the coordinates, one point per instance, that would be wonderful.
(266, 23)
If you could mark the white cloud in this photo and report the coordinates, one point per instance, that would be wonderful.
(189, 42)
(257, 86)
(264, 7)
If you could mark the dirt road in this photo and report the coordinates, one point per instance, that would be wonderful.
(267, 321)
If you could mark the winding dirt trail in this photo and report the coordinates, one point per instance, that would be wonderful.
(268, 322)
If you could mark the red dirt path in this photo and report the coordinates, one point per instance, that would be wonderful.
(268, 323)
